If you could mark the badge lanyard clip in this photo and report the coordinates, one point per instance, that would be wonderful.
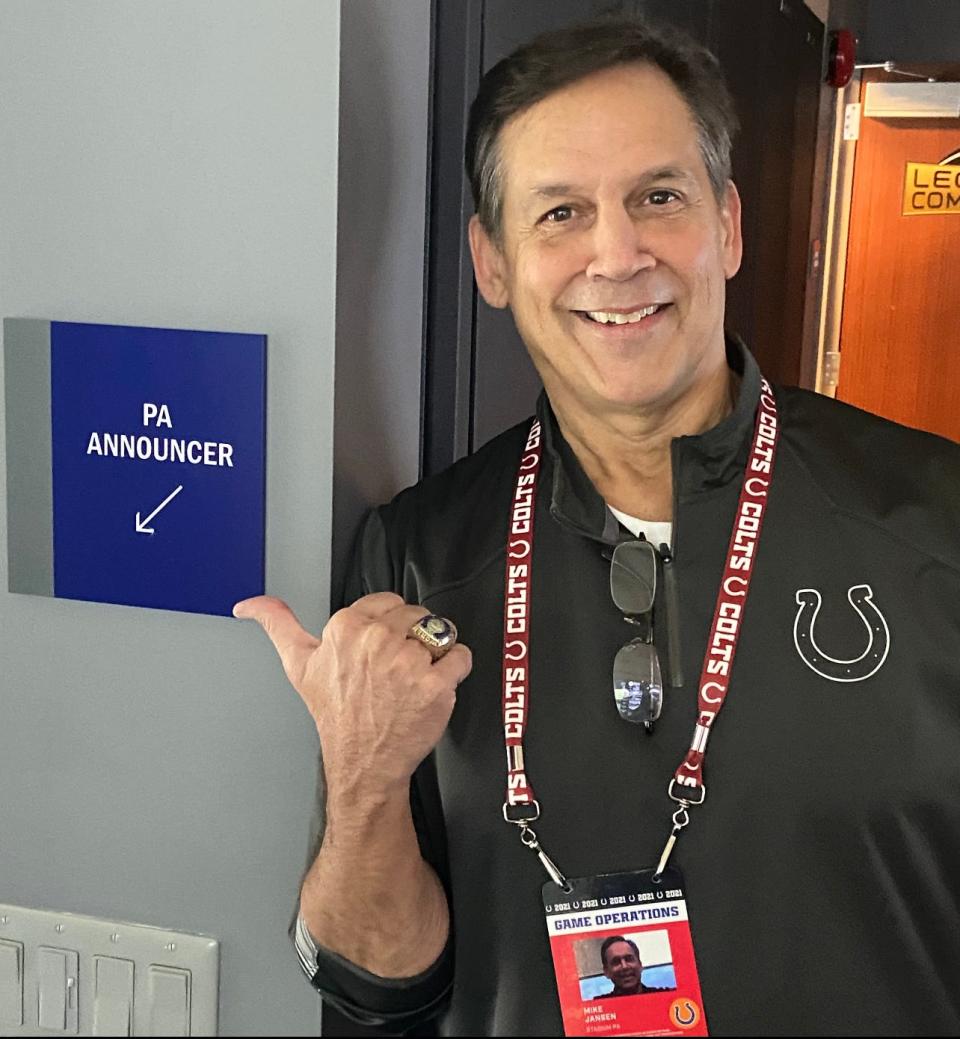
(529, 839)
(681, 818)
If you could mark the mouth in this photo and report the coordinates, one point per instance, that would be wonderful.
(623, 319)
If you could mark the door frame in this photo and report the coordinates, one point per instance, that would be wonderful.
(824, 335)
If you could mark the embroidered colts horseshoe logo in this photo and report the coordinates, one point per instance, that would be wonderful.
(856, 669)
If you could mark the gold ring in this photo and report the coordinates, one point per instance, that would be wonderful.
(436, 633)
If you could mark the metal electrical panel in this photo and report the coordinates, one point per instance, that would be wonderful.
(66, 974)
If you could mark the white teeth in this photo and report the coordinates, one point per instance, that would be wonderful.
(607, 317)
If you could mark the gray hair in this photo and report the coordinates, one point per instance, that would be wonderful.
(557, 59)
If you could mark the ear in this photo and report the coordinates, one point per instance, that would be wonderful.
(488, 266)
(732, 236)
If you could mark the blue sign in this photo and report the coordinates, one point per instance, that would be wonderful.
(158, 466)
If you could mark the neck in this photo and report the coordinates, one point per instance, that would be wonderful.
(626, 454)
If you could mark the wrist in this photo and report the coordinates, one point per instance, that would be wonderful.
(356, 805)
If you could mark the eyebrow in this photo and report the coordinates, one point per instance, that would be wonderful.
(550, 191)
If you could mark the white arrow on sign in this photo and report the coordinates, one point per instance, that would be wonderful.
(142, 527)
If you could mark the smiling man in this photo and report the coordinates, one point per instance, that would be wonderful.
(612, 251)
(668, 522)
(621, 962)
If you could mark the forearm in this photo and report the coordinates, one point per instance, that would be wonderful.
(369, 896)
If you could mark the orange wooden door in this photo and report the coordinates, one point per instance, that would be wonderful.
(899, 341)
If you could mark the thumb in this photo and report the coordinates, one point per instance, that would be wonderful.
(291, 641)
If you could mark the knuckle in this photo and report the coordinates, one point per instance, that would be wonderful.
(413, 656)
(343, 622)
(446, 700)
(385, 634)
(267, 609)
(336, 622)
(437, 686)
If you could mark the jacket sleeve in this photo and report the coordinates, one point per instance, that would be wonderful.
(397, 1004)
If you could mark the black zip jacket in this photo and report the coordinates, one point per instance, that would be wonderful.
(823, 869)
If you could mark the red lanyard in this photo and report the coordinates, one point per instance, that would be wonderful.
(516, 621)
(686, 787)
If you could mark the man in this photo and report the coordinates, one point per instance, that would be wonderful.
(620, 958)
(820, 872)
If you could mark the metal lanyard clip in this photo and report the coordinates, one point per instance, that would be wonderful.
(529, 839)
(522, 814)
(681, 818)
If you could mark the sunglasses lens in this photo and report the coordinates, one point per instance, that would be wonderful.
(633, 576)
(637, 685)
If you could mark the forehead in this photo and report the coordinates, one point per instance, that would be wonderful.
(613, 124)
(620, 949)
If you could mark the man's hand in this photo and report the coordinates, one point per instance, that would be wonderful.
(379, 701)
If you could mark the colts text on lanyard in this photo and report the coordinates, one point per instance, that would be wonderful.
(516, 638)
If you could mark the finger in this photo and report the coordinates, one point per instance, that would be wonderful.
(389, 611)
(397, 619)
(376, 604)
(453, 667)
(403, 618)
(280, 623)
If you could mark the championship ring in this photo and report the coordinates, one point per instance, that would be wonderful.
(437, 633)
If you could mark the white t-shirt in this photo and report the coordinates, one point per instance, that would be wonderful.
(657, 533)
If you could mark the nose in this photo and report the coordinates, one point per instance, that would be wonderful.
(618, 247)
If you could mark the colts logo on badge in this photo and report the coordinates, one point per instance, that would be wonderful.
(856, 669)
(684, 1013)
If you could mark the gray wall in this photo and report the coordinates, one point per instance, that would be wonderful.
(384, 122)
(175, 163)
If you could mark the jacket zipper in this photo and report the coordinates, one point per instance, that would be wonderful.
(671, 592)
(671, 598)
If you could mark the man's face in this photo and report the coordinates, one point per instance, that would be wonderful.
(614, 251)
(622, 966)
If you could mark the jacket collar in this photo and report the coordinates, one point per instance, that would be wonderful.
(700, 463)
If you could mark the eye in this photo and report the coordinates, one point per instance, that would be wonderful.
(662, 197)
(558, 215)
